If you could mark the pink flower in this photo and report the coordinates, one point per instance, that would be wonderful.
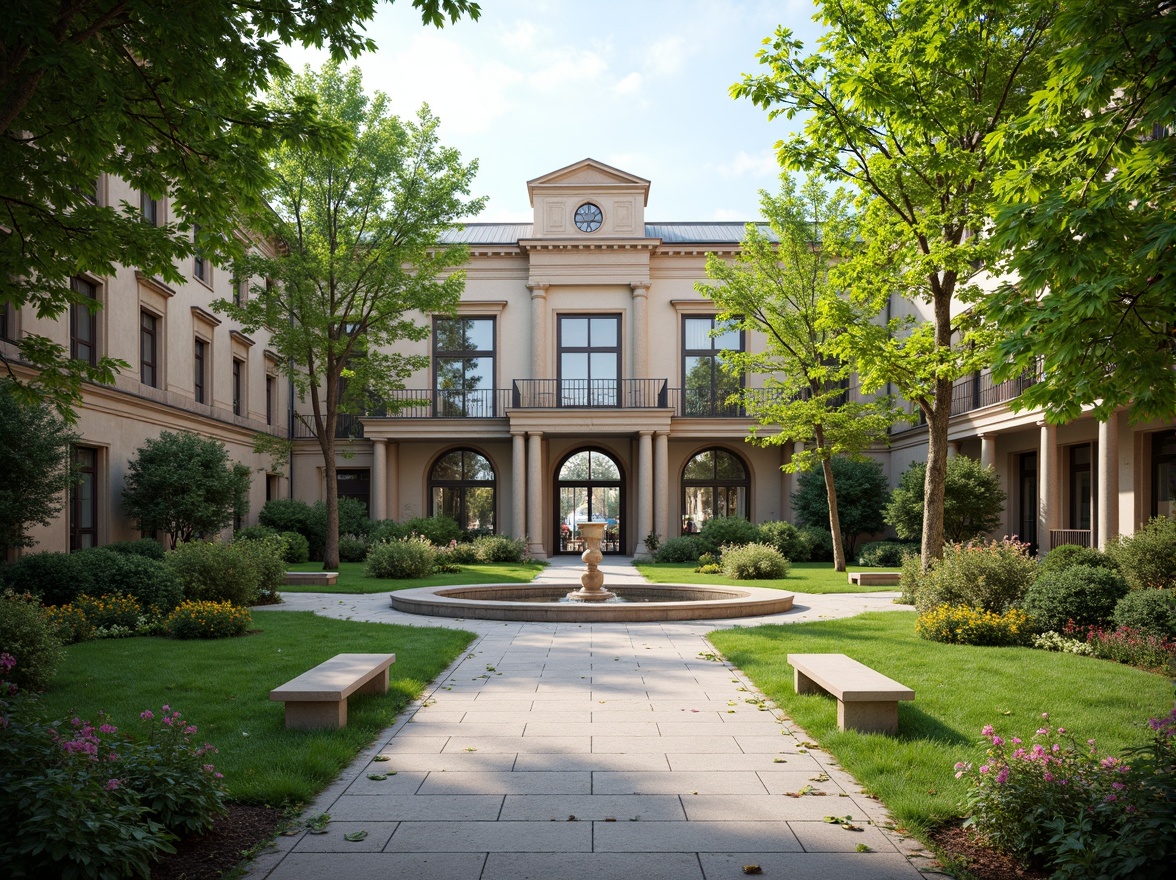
(112, 784)
(986, 730)
(1061, 730)
(189, 730)
(1045, 715)
(997, 741)
(108, 728)
(1016, 740)
(1002, 775)
(218, 776)
(1043, 731)
(208, 768)
(146, 714)
(166, 708)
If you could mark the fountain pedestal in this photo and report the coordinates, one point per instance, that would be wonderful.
(592, 579)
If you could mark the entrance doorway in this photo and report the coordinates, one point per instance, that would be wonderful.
(1027, 510)
(589, 489)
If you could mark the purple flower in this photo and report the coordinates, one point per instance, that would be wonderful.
(112, 784)
(189, 730)
(147, 715)
(1002, 775)
(108, 728)
(986, 730)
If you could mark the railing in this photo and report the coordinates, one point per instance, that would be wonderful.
(588, 393)
(346, 427)
(1060, 537)
(979, 390)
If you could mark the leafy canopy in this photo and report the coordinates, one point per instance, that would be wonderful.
(164, 96)
(184, 485)
(862, 493)
(972, 505)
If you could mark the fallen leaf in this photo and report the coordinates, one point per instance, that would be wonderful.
(382, 758)
(355, 836)
(752, 869)
(377, 777)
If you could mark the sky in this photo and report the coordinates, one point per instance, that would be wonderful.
(642, 85)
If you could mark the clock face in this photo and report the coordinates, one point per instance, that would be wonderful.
(588, 217)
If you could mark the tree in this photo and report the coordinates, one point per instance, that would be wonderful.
(361, 263)
(782, 289)
(164, 96)
(1088, 220)
(36, 461)
(901, 102)
(973, 500)
(862, 493)
(184, 485)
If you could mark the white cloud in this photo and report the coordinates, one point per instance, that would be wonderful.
(521, 37)
(569, 66)
(629, 84)
(744, 164)
(665, 57)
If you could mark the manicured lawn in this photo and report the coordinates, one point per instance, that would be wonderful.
(958, 689)
(353, 579)
(804, 577)
(222, 686)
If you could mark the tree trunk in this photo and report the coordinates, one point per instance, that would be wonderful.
(831, 496)
(933, 486)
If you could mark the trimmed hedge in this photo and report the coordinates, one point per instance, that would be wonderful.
(1153, 611)
(1084, 594)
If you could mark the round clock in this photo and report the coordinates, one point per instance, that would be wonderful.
(588, 217)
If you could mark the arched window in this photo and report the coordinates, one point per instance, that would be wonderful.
(461, 487)
(715, 483)
(589, 489)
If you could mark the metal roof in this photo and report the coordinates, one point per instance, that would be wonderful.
(670, 233)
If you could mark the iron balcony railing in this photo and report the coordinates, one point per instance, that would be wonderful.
(589, 393)
(979, 390)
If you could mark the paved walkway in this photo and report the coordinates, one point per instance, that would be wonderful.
(594, 751)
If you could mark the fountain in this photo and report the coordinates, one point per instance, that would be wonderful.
(592, 581)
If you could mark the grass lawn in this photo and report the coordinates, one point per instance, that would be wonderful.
(222, 686)
(353, 579)
(804, 577)
(958, 689)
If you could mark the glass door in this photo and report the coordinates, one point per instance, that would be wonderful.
(589, 360)
(589, 489)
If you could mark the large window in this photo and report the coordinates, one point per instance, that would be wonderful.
(199, 261)
(200, 367)
(706, 384)
(463, 366)
(714, 484)
(238, 387)
(83, 500)
(589, 360)
(149, 349)
(355, 483)
(83, 324)
(1164, 474)
(7, 321)
(461, 487)
(150, 209)
(589, 489)
(271, 399)
(1081, 487)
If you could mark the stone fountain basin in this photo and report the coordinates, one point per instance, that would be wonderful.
(677, 602)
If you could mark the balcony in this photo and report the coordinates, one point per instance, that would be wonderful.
(589, 394)
(979, 390)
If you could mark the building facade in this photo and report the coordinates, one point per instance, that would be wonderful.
(579, 380)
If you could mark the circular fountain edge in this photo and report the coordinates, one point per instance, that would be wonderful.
(719, 602)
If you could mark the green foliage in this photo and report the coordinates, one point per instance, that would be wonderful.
(499, 548)
(145, 579)
(1070, 555)
(243, 572)
(30, 637)
(148, 547)
(1084, 594)
(1123, 644)
(753, 562)
(352, 548)
(253, 533)
(652, 542)
(78, 79)
(207, 620)
(288, 515)
(438, 530)
(402, 558)
(184, 485)
(862, 493)
(819, 541)
(110, 616)
(35, 459)
(986, 575)
(1152, 611)
(681, 548)
(297, 548)
(55, 578)
(1148, 558)
(786, 538)
(886, 553)
(973, 500)
(964, 625)
(1091, 310)
(723, 531)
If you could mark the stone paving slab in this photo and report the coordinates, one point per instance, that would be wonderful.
(693, 837)
(808, 866)
(665, 782)
(379, 866)
(535, 782)
(500, 836)
(597, 866)
(417, 808)
(599, 807)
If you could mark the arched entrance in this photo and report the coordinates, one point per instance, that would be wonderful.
(588, 488)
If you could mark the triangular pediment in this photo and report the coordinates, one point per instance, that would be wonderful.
(589, 173)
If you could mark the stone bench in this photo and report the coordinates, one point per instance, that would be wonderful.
(312, 578)
(866, 700)
(875, 578)
(317, 699)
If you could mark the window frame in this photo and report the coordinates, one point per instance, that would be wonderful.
(200, 350)
(591, 396)
(462, 485)
(149, 370)
(90, 475)
(80, 315)
(442, 401)
(713, 407)
(149, 208)
(238, 386)
(715, 483)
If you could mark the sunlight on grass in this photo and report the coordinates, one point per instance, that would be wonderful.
(804, 577)
(353, 577)
(958, 689)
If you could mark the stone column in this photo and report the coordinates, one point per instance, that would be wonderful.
(538, 330)
(1108, 480)
(535, 495)
(661, 484)
(988, 450)
(1048, 486)
(644, 486)
(392, 480)
(379, 478)
(785, 483)
(518, 483)
(640, 331)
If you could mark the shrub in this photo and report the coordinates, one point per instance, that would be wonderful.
(208, 620)
(708, 558)
(69, 623)
(404, 558)
(1147, 559)
(1133, 647)
(910, 578)
(386, 530)
(786, 538)
(147, 580)
(265, 558)
(439, 530)
(55, 578)
(148, 547)
(1084, 594)
(254, 533)
(963, 625)
(886, 553)
(463, 554)
(288, 515)
(753, 562)
(297, 547)
(819, 541)
(652, 542)
(709, 568)
(218, 572)
(1052, 641)
(499, 548)
(683, 548)
(27, 635)
(987, 575)
(1152, 611)
(1070, 555)
(973, 500)
(111, 616)
(352, 548)
(862, 493)
(444, 559)
(727, 531)
(1061, 805)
